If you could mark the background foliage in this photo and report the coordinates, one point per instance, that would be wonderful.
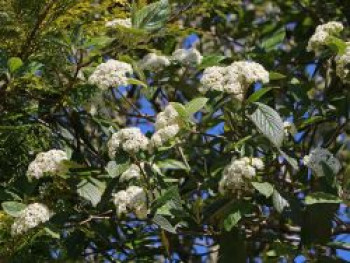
(48, 48)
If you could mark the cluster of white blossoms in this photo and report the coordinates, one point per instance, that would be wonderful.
(32, 216)
(166, 125)
(133, 172)
(131, 140)
(318, 156)
(49, 162)
(133, 199)
(153, 61)
(322, 35)
(187, 56)
(238, 173)
(111, 74)
(234, 79)
(289, 128)
(120, 22)
(343, 65)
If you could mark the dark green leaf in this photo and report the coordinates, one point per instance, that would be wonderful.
(13, 208)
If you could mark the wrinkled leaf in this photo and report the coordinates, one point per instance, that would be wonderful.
(265, 189)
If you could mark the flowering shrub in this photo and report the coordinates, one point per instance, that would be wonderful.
(177, 131)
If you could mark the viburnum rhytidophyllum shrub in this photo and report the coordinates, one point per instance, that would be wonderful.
(180, 131)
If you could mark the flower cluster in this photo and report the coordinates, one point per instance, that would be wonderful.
(133, 199)
(167, 126)
(234, 79)
(343, 65)
(47, 163)
(110, 74)
(32, 216)
(289, 128)
(133, 172)
(238, 173)
(322, 35)
(319, 156)
(131, 140)
(187, 56)
(120, 22)
(153, 61)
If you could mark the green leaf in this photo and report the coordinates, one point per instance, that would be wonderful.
(113, 169)
(172, 164)
(276, 76)
(164, 223)
(151, 17)
(52, 233)
(137, 82)
(265, 189)
(171, 194)
(268, 121)
(337, 45)
(321, 198)
(232, 220)
(258, 94)
(290, 160)
(272, 42)
(181, 110)
(13, 208)
(14, 64)
(91, 190)
(210, 61)
(195, 105)
(279, 203)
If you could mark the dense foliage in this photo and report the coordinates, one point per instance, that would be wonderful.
(185, 130)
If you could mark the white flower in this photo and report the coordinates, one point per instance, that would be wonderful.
(322, 35)
(234, 79)
(133, 172)
(120, 22)
(131, 140)
(133, 199)
(188, 56)
(238, 173)
(49, 162)
(111, 74)
(153, 61)
(318, 156)
(32, 216)
(169, 116)
(343, 65)
(289, 128)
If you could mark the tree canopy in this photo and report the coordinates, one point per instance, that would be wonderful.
(174, 130)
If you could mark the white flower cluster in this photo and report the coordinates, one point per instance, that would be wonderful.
(187, 56)
(131, 140)
(133, 172)
(49, 162)
(167, 126)
(133, 199)
(234, 79)
(120, 22)
(110, 74)
(343, 65)
(289, 128)
(153, 61)
(238, 173)
(32, 216)
(322, 35)
(318, 156)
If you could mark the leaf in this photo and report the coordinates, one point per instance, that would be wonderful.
(195, 105)
(171, 194)
(337, 45)
(151, 17)
(265, 189)
(209, 61)
(276, 76)
(92, 190)
(13, 208)
(290, 160)
(137, 82)
(181, 110)
(321, 198)
(14, 64)
(272, 42)
(232, 220)
(258, 94)
(279, 202)
(52, 233)
(113, 169)
(172, 164)
(268, 121)
(164, 223)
